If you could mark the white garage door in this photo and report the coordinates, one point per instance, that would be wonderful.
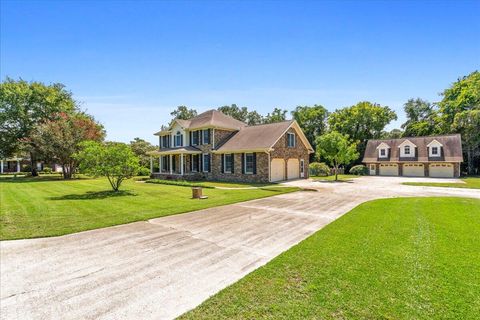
(388, 169)
(440, 170)
(293, 169)
(413, 170)
(277, 170)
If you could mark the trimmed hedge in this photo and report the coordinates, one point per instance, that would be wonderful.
(359, 170)
(319, 169)
(180, 183)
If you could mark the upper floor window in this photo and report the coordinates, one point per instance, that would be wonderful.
(435, 151)
(206, 136)
(165, 141)
(195, 139)
(407, 150)
(291, 140)
(178, 139)
(383, 152)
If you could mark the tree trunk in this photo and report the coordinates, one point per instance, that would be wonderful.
(469, 160)
(336, 172)
(33, 165)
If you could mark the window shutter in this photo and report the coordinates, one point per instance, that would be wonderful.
(210, 136)
(243, 163)
(233, 162)
(222, 166)
(181, 140)
(191, 162)
(200, 162)
(254, 163)
(191, 135)
(200, 137)
(209, 163)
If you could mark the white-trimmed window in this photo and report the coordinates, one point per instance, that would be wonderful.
(434, 151)
(383, 153)
(195, 139)
(249, 163)
(206, 136)
(227, 162)
(206, 162)
(406, 150)
(291, 140)
(178, 139)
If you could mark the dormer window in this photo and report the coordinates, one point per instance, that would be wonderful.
(435, 151)
(407, 150)
(434, 148)
(383, 150)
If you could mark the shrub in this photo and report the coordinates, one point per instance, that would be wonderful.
(359, 170)
(47, 170)
(318, 169)
(143, 171)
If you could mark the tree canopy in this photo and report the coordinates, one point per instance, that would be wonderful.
(60, 139)
(336, 149)
(113, 160)
(25, 105)
(312, 120)
(140, 148)
(361, 122)
(421, 118)
(277, 115)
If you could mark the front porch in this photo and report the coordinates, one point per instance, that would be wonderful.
(10, 165)
(180, 163)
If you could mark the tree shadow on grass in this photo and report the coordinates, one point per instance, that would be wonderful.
(95, 195)
(333, 181)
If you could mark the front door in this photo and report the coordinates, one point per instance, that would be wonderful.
(302, 168)
(372, 170)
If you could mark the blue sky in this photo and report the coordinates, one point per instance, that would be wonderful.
(132, 63)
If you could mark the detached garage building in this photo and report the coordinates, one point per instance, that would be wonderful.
(433, 156)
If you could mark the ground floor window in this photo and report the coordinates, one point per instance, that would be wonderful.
(249, 163)
(206, 162)
(165, 161)
(228, 163)
(195, 162)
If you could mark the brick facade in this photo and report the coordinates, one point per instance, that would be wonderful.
(299, 152)
(262, 174)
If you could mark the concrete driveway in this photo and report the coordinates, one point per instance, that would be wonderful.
(161, 268)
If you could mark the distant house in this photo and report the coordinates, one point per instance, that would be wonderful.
(432, 156)
(17, 164)
(214, 146)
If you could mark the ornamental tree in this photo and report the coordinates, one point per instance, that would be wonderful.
(336, 149)
(60, 139)
(114, 160)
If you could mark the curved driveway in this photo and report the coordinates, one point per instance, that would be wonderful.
(161, 268)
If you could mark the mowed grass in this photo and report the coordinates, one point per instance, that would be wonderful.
(49, 206)
(403, 258)
(469, 182)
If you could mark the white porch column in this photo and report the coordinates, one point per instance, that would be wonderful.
(181, 164)
(1, 166)
(160, 164)
(171, 164)
(18, 165)
(151, 164)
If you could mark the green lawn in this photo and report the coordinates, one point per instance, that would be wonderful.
(403, 258)
(48, 206)
(210, 184)
(341, 177)
(470, 183)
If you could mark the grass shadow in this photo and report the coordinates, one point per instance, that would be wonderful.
(333, 181)
(45, 178)
(91, 195)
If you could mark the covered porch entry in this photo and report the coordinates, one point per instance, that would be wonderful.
(176, 163)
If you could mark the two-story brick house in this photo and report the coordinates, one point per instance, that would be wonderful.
(214, 146)
(433, 156)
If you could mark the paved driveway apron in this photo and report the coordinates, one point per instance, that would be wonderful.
(161, 268)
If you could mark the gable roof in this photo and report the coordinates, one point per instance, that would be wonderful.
(261, 137)
(452, 148)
